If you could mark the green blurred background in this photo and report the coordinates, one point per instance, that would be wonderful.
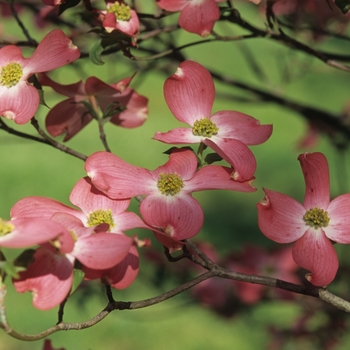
(31, 169)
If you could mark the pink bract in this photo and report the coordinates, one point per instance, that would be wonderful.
(26, 232)
(190, 94)
(312, 225)
(18, 99)
(197, 16)
(70, 116)
(119, 276)
(168, 208)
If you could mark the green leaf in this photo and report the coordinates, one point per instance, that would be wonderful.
(107, 41)
(212, 157)
(77, 279)
(172, 149)
(66, 5)
(113, 108)
(344, 5)
(95, 53)
(9, 269)
(42, 100)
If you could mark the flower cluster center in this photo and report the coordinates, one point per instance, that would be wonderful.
(11, 74)
(5, 227)
(170, 184)
(101, 216)
(316, 217)
(204, 127)
(121, 11)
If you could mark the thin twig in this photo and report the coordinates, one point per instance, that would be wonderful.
(56, 144)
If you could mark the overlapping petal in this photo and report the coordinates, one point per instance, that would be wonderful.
(122, 275)
(102, 250)
(117, 178)
(67, 117)
(221, 178)
(88, 198)
(235, 153)
(181, 216)
(314, 252)
(69, 90)
(119, 276)
(241, 127)
(136, 111)
(281, 217)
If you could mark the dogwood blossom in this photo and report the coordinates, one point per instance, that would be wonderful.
(190, 94)
(19, 100)
(168, 204)
(312, 225)
(197, 16)
(119, 16)
(128, 108)
(96, 240)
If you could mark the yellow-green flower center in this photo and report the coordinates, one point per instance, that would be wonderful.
(121, 11)
(11, 74)
(5, 227)
(316, 217)
(204, 127)
(170, 184)
(101, 216)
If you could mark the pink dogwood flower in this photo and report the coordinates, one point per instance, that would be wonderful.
(119, 276)
(18, 99)
(197, 16)
(168, 205)
(190, 94)
(119, 16)
(312, 225)
(70, 116)
(96, 240)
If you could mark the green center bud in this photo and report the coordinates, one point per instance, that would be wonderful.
(121, 11)
(5, 227)
(101, 216)
(11, 74)
(170, 184)
(316, 218)
(204, 127)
